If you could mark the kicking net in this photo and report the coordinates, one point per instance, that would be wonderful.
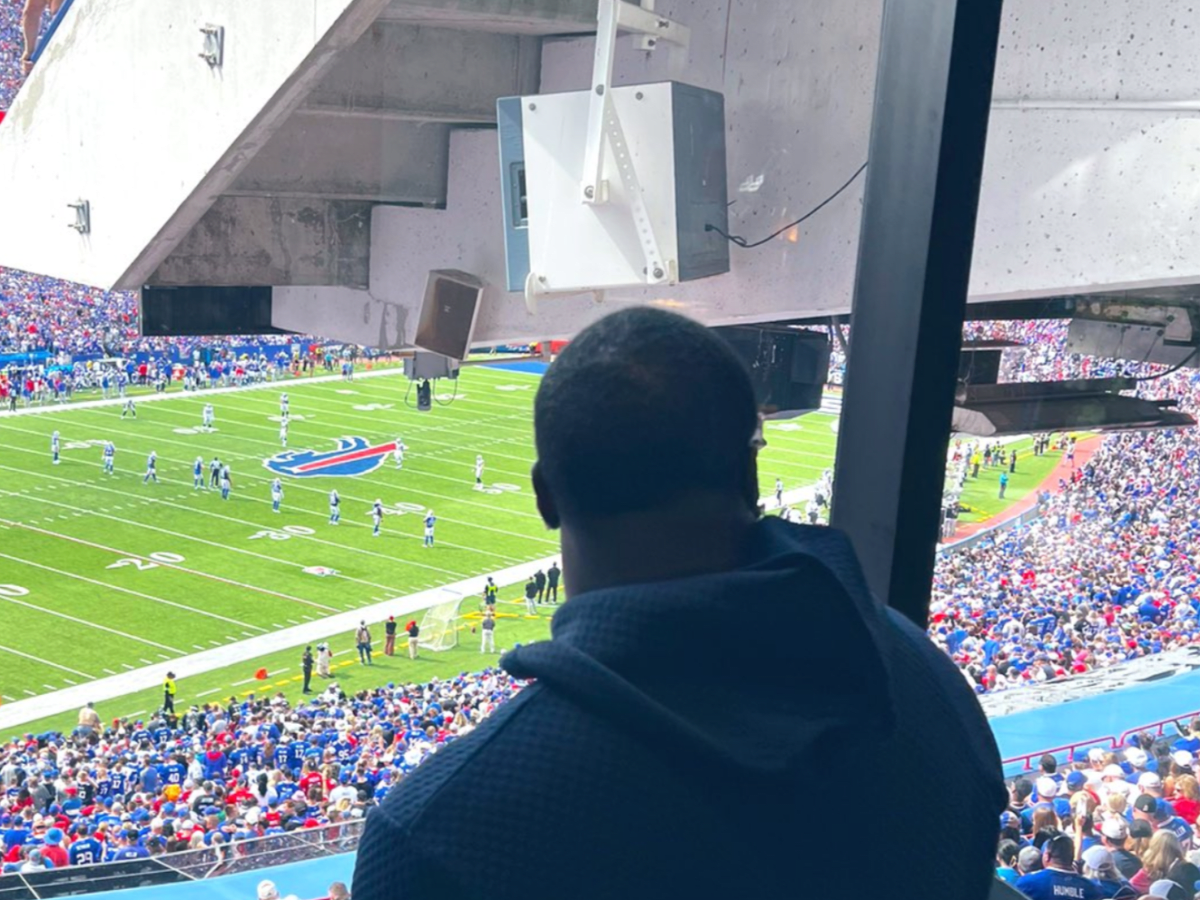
(439, 624)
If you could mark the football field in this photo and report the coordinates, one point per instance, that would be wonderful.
(107, 575)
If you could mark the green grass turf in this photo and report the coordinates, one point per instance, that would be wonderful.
(79, 598)
(66, 528)
(82, 597)
(283, 667)
(981, 495)
(798, 451)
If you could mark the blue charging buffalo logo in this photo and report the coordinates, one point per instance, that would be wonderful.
(354, 456)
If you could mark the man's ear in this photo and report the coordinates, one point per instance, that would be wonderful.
(545, 502)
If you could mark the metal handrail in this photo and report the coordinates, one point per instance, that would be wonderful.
(53, 27)
(1070, 748)
(1113, 741)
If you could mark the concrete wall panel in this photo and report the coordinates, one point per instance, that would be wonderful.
(121, 111)
(274, 240)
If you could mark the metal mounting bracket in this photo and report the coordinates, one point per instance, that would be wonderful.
(214, 45)
(604, 125)
(83, 216)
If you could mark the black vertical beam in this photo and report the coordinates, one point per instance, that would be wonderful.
(932, 99)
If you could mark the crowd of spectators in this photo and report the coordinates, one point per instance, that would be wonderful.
(12, 48)
(1118, 824)
(40, 314)
(1108, 572)
(221, 775)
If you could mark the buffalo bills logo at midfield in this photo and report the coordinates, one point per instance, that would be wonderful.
(354, 456)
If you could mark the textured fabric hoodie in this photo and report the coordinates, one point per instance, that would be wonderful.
(768, 731)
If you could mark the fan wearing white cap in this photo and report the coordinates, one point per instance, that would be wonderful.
(1184, 760)
(1113, 834)
(1098, 865)
(1047, 792)
(1167, 890)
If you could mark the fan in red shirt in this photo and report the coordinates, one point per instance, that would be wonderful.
(53, 848)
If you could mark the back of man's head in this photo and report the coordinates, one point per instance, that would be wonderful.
(643, 408)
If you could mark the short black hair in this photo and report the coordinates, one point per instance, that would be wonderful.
(641, 408)
(1007, 852)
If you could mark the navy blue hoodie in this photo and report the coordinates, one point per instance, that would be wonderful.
(765, 732)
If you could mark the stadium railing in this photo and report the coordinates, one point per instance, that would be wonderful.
(1018, 521)
(1109, 741)
(233, 858)
(51, 29)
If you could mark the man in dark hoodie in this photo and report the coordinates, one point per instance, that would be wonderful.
(663, 773)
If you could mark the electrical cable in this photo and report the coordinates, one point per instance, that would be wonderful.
(453, 396)
(1171, 371)
(748, 245)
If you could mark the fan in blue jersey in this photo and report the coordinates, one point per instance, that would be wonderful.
(430, 521)
(276, 494)
(214, 473)
(151, 468)
(295, 757)
(198, 473)
(335, 507)
(110, 451)
(86, 849)
(283, 404)
(129, 408)
(54, 447)
(377, 517)
(173, 772)
(208, 417)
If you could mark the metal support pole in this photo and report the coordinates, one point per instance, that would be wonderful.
(932, 99)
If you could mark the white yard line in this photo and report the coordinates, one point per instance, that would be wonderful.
(252, 525)
(51, 612)
(165, 602)
(283, 386)
(199, 540)
(22, 711)
(45, 662)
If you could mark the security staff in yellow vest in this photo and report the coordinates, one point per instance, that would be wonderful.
(169, 693)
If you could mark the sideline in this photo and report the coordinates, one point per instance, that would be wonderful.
(281, 385)
(114, 686)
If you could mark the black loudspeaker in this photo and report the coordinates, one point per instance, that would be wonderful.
(788, 366)
(204, 311)
(448, 313)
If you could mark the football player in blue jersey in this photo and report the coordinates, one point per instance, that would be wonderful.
(151, 468)
(226, 483)
(276, 494)
(110, 451)
(430, 521)
(198, 474)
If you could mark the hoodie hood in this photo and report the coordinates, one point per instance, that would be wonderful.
(759, 671)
